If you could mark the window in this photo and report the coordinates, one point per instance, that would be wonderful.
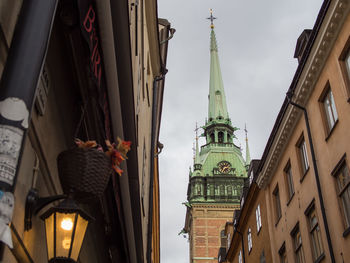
(344, 60)
(250, 241)
(258, 218)
(228, 241)
(330, 112)
(262, 257)
(242, 201)
(289, 180)
(240, 257)
(315, 233)
(283, 254)
(297, 242)
(223, 238)
(342, 176)
(251, 177)
(212, 137)
(277, 201)
(347, 63)
(304, 160)
(221, 137)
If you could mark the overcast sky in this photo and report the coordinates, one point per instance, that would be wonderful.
(256, 42)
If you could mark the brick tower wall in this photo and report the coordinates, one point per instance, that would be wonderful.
(206, 225)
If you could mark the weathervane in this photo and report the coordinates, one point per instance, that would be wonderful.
(246, 132)
(211, 18)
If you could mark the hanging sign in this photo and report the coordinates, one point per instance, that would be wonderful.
(89, 28)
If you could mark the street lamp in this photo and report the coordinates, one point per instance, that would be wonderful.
(65, 227)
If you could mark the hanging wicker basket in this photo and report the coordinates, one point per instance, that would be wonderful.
(84, 171)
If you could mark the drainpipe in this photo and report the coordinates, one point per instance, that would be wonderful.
(18, 84)
(153, 156)
(172, 32)
(242, 240)
(19, 81)
(317, 177)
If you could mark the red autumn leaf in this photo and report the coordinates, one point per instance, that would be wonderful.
(123, 147)
(117, 170)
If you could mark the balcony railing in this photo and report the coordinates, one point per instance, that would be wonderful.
(217, 144)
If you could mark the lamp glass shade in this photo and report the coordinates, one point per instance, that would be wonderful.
(64, 230)
(80, 230)
(50, 228)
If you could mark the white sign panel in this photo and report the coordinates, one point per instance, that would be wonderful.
(10, 145)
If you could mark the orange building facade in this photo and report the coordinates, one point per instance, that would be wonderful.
(303, 179)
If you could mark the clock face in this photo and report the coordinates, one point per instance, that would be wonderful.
(224, 167)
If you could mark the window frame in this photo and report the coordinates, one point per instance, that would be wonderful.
(345, 69)
(329, 119)
(311, 210)
(229, 240)
(277, 204)
(258, 218)
(262, 257)
(240, 256)
(283, 253)
(288, 177)
(249, 240)
(303, 158)
(336, 171)
(298, 247)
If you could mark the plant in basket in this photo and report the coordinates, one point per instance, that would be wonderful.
(86, 169)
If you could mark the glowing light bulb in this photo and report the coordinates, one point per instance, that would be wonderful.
(67, 224)
(66, 243)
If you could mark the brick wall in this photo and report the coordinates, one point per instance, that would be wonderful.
(207, 223)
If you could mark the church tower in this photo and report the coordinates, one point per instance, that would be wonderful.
(219, 170)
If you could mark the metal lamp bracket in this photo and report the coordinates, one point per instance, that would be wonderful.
(34, 204)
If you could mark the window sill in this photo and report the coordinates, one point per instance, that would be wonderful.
(290, 199)
(331, 131)
(278, 220)
(259, 231)
(302, 178)
(346, 232)
(320, 258)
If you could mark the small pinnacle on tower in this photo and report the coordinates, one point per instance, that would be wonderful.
(247, 152)
(196, 158)
(193, 152)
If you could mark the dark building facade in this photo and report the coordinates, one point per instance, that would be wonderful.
(67, 71)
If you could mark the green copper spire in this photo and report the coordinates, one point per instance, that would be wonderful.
(217, 98)
(247, 153)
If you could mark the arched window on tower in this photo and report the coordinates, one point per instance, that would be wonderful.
(212, 137)
(222, 190)
(228, 138)
(221, 137)
(229, 190)
(212, 191)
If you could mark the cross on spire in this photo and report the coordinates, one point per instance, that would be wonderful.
(211, 18)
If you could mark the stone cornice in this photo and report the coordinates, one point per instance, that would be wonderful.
(325, 39)
(215, 205)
